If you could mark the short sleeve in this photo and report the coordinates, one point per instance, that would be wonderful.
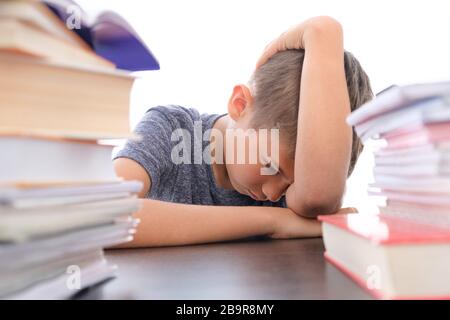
(153, 150)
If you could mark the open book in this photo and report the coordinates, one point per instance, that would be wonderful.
(108, 34)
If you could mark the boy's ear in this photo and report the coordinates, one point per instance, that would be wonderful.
(240, 102)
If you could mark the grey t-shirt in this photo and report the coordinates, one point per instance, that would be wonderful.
(189, 183)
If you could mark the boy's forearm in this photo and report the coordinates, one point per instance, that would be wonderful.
(323, 139)
(170, 224)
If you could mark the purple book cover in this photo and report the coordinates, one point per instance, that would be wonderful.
(110, 36)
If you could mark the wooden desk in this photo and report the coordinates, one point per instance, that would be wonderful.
(263, 269)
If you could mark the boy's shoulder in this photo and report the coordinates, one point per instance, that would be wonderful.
(177, 116)
(175, 112)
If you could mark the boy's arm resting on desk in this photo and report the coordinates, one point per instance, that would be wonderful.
(169, 224)
(166, 224)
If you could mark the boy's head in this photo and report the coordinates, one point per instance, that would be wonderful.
(271, 100)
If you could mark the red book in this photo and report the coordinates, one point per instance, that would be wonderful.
(390, 257)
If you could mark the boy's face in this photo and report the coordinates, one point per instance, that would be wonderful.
(250, 179)
(268, 176)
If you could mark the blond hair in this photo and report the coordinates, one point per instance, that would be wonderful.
(276, 91)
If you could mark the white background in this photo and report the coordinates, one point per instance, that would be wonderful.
(206, 47)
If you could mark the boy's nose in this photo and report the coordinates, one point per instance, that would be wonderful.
(274, 195)
(275, 199)
(275, 191)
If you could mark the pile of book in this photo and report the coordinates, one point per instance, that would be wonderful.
(62, 98)
(404, 250)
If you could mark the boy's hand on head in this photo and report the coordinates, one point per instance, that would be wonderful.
(323, 140)
(297, 36)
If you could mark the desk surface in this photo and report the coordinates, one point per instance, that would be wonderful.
(263, 269)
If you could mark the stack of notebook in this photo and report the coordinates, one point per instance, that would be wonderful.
(61, 93)
(404, 251)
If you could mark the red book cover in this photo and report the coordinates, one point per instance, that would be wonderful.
(388, 230)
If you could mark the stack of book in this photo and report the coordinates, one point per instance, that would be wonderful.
(62, 98)
(404, 250)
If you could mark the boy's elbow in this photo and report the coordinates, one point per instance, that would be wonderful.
(312, 206)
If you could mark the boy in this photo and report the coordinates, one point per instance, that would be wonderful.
(304, 87)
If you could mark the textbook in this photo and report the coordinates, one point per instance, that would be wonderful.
(420, 113)
(398, 97)
(25, 224)
(37, 14)
(40, 242)
(390, 257)
(439, 185)
(17, 36)
(64, 160)
(403, 252)
(429, 197)
(418, 135)
(427, 152)
(109, 35)
(38, 97)
(62, 108)
(13, 194)
(60, 284)
(29, 267)
(434, 214)
(437, 168)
